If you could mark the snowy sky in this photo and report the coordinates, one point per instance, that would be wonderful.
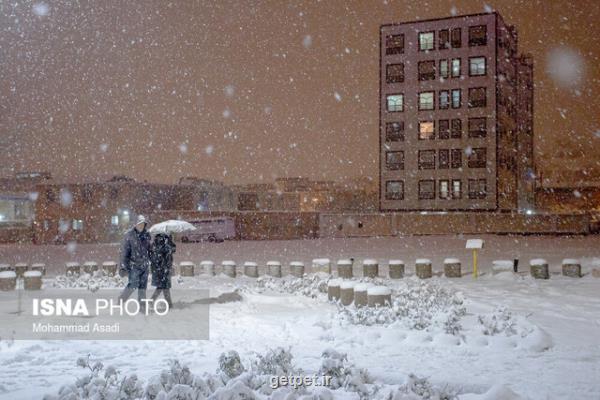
(157, 90)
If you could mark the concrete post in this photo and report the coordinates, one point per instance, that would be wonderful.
(538, 268)
(41, 267)
(72, 268)
(360, 294)
(20, 269)
(452, 268)
(208, 267)
(321, 265)
(423, 268)
(297, 269)
(8, 280)
(333, 290)
(251, 269)
(396, 269)
(186, 268)
(344, 268)
(370, 268)
(274, 268)
(571, 268)
(32, 280)
(229, 268)
(109, 268)
(89, 267)
(379, 296)
(347, 292)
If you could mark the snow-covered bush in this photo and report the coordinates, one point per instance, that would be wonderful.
(499, 321)
(419, 389)
(313, 286)
(345, 375)
(230, 365)
(277, 361)
(92, 282)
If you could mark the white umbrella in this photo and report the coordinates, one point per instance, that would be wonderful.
(172, 226)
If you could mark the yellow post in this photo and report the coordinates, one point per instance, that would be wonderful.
(474, 263)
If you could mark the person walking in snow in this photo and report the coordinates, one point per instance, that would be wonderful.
(135, 260)
(162, 266)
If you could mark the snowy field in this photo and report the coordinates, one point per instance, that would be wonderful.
(502, 336)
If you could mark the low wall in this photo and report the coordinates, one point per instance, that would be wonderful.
(350, 225)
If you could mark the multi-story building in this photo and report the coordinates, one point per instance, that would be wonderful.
(449, 125)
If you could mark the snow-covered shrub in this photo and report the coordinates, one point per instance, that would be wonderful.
(499, 321)
(421, 389)
(313, 286)
(92, 282)
(277, 361)
(343, 374)
(230, 365)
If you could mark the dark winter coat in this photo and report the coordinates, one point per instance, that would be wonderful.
(162, 261)
(135, 250)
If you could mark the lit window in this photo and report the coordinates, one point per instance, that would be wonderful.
(476, 66)
(456, 67)
(426, 130)
(456, 189)
(444, 71)
(426, 41)
(114, 220)
(394, 44)
(444, 99)
(426, 159)
(394, 190)
(395, 102)
(455, 98)
(427, 190)
(426, 101)
(444, 189)
(477, 35)
(394, 160)
(77, 225)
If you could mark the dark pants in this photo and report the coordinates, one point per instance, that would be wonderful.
(166, 293)
(138, 279)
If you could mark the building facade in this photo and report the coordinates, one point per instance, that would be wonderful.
(449, 122)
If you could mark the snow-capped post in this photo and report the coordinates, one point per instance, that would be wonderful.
(251, 269)
(229, 268)
(297, 269)
(360, 294)
(89, 267)
(423, 268)
(347, 292)
(396, 269)
(208, 267)
(72, 268)
(321, 265)
(8, 280)
(20, 269)
(38, 267)
(379, 296)
(109, 268)
(333, 290)
(274, 268)
(452, 268)
(571, 267)
(344, 268)
(538, 268)
(370, 268)
(32, 280)
(186, 268)
(474, 244)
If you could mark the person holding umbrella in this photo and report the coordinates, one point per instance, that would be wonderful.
(162, 266)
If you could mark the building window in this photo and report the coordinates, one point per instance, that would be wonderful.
(394, 73)
(427, 189)
(444, 189)
(444, 38)
(455, 158)
(426, 70)
(456, 189)
(114, 220)
(456, 98)
(455, 72)
(456, 129)
(394, 160)
(477, 188)
(444, 129)
(443, 159)
(477, 97)
(426, 159)
(395, 102)
(426, 41)
(394, 131)
(455, 38)
(394, 44)
(477, 127)
(77, 225)
(426, 101)
(477, 158)
(426, 130)
(444, 70)
(444, 101)
(394, 190)
(477, 66)
(478, 35)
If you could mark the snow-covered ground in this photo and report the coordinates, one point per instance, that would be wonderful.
(538, 339)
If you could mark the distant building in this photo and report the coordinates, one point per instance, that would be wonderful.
(211, 195)
(456, 116)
